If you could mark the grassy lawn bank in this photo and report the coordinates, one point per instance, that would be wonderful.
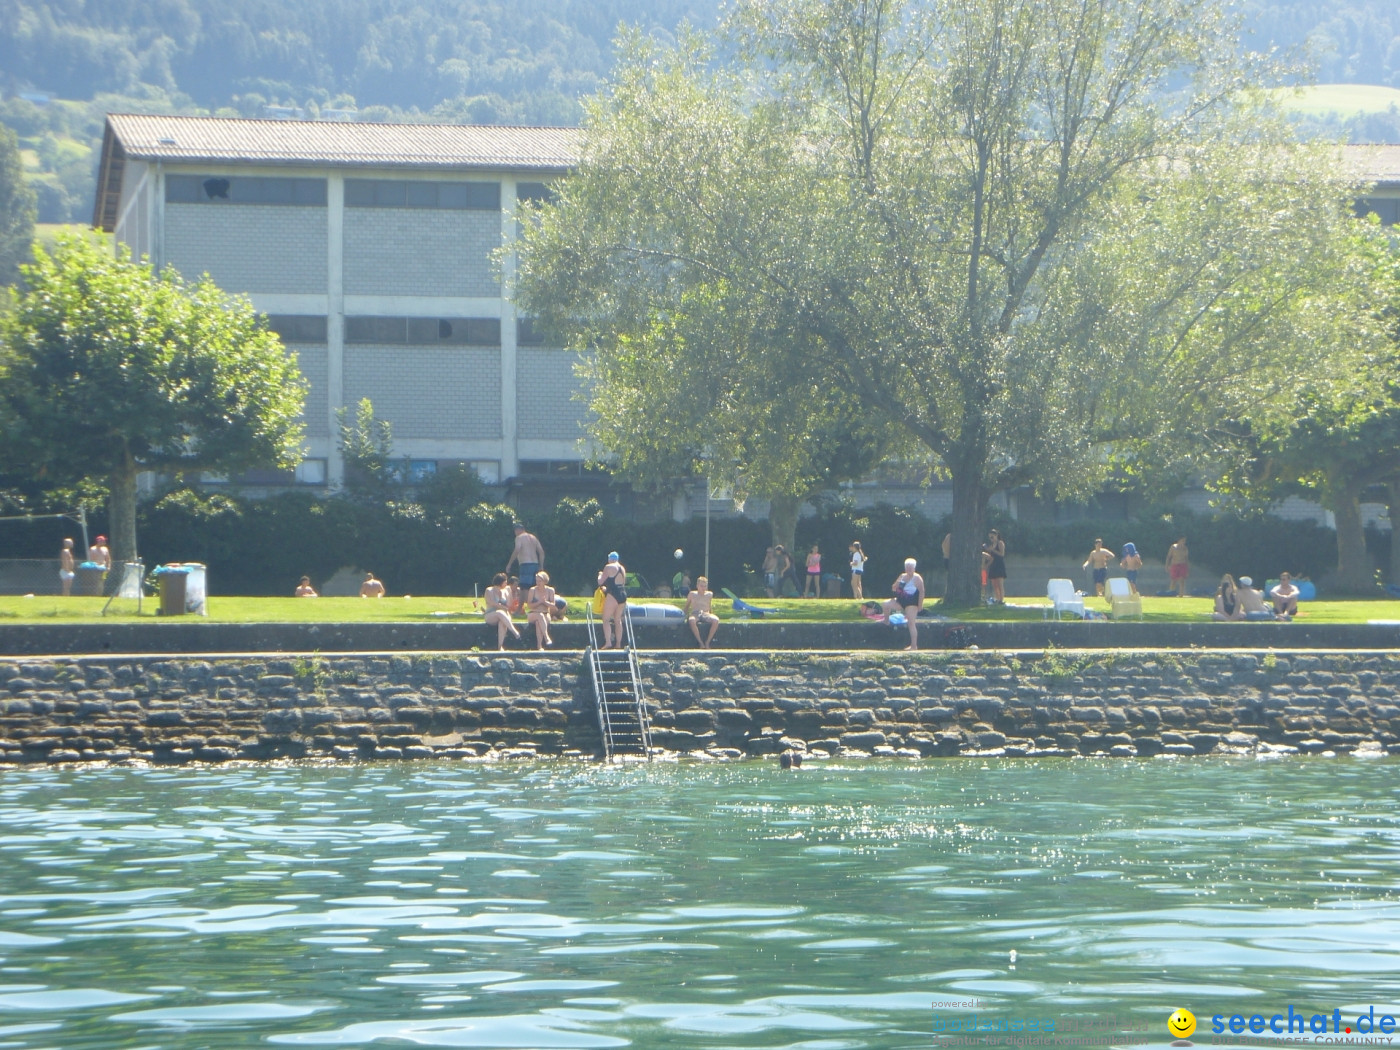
(233, 609)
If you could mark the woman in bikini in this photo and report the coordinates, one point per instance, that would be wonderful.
(540, 599)
(814, 573)
(613, 580)
(498, 609)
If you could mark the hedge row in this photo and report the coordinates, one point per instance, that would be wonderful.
(263, 546)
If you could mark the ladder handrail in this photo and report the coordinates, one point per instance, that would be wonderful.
(600, 689)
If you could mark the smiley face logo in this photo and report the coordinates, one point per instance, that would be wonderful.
(1181, 1023)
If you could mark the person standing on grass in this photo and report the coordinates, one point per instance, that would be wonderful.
(1130, 564)
(1178, 566)
(996, 567)
(770, 572)
(814, 573)
(857, 571)
(528, 554)
(1099, 558)
(699, 612)
(65, 568)
(498, 609)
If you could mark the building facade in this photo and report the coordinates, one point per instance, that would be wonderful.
(382, 255)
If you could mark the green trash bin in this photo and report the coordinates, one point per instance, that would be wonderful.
(89, 579)
(173, 579)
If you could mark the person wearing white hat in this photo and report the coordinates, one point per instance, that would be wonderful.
(613, 579)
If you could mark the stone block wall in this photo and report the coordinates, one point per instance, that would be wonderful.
(410, 251)
(544, 395)
(180, 709)
(441, 393)
(249, 247)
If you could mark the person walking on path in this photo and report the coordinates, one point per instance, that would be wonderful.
(1130, 564)
(814, 573)
(1099, 558)
(857, 571)
(613, 579)
(65, 568)
(996, 568)
(498, 609)
(698, 612)
(540, 600)
(1178, 566)
(908, 590)
(528, 554)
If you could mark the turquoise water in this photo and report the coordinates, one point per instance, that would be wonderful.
(565, 905)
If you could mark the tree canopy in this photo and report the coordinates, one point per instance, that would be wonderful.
(16, 208)
(107, 369)
(1028, 235)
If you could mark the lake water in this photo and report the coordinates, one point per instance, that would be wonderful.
(567, 905)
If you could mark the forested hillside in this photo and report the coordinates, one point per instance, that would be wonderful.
(487, 61)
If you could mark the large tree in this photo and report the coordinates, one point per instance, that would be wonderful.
(17, 207)
(108, 369)
(1028, 235)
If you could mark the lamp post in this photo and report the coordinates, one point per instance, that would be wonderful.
(707, 521)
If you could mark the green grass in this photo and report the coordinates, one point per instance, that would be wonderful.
(1346, 100)
(233, 609)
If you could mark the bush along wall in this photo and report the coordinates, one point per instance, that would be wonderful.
(263, 546)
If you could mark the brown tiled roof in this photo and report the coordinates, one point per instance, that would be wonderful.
(235, 140)
(1378, 164)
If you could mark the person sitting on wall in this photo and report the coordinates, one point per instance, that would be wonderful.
(305, 590)
(371, 588)
(698, 612)
(1285, 596)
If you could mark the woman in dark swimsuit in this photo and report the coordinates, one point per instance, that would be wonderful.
(498, 609)
(996, 569)
(908, 591)
(613, 580)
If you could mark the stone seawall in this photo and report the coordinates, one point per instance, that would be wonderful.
(367, 706)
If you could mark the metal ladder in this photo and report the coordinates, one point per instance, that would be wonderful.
(617, 685)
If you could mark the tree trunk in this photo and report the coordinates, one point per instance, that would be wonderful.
(782, 520)
(1353, 566)
(1392, 501)
(964, 587)
(121, 511)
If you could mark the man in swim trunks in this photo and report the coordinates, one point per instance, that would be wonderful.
(1178, 566)
(529, 553)
(65, 568)
(1099, 558)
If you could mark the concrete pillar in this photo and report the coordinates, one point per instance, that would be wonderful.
(335, 322)
(510, 436)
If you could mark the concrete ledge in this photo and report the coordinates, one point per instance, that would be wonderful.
(196, 636)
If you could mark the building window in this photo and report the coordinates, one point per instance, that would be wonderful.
(244, 189)
(1388, 210)
(400, 193)
(534, 192)
(558, 468)
(527, 332)
(424, 331)
(311, 472)
(298, 328)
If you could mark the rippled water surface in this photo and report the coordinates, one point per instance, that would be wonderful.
(542, 905)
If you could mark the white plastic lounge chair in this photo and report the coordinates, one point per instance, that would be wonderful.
(1063, 599)
(1121, 599)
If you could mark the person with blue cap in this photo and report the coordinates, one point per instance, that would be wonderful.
(1130, 563)
(613, 580)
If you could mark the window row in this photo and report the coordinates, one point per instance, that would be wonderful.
(359, 193)
(408, 331)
